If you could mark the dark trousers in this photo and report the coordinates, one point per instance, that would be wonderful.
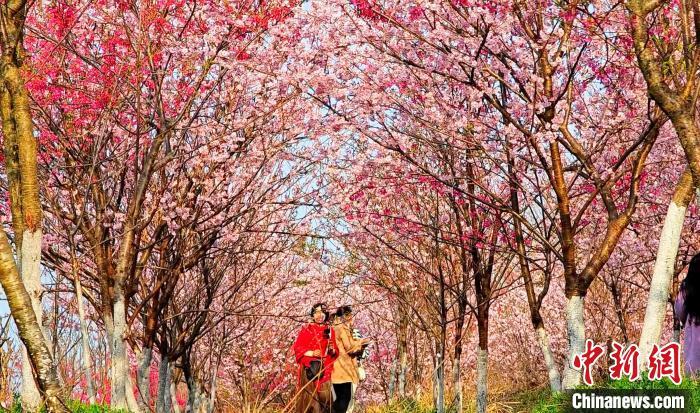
(343, 394)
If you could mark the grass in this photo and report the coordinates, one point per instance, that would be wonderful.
(538, 400)
(77, 407)
(404, 406)
(534, 400)
(73, 407)
(549, 403)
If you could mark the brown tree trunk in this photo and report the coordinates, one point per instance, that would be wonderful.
(534, 301)
(619, 311)
(21, 167)
(457, 355)
(29, 330)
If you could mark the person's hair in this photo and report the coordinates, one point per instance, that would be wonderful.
(691, 289)
(323, 308)
(343, 311)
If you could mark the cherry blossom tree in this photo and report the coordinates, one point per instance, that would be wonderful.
(135, 82)
(673, 91)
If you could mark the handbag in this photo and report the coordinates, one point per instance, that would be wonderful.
(361, 372)
(313, 372)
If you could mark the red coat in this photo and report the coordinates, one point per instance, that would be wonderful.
(310, 338)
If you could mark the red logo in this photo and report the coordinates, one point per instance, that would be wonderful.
(586, 360)
(665, 362)
(624, 362)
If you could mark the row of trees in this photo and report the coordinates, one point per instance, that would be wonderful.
(161, 138)
(489, 146)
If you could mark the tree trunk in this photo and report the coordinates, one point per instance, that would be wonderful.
(434, 382)
(534, 301)
(482, 358)
(457, 359)
(29, 329)
(31, 399)
(119, 372)
(84, 339)
(417, 368)
(402, 352)
(619, 311)
(21, 172)
(30, 396)
(131, 401)
(576, 332)
(664, 266)
(439, 386)
(403, 369)
(392, 377)
(482, 364)
(193, 390)
(31, 277)
(192, 394)
(119, 360)
(143, 376)
(212, 394)
(440, 356)
(163, 402)
(457, 383)
(552, 370)
(173, 396)
(675, 103)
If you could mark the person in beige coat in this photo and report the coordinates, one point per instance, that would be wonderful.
(345, 377)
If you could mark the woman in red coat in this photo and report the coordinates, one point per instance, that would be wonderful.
(315, 350)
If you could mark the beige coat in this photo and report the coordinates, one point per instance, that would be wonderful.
(345, 368)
